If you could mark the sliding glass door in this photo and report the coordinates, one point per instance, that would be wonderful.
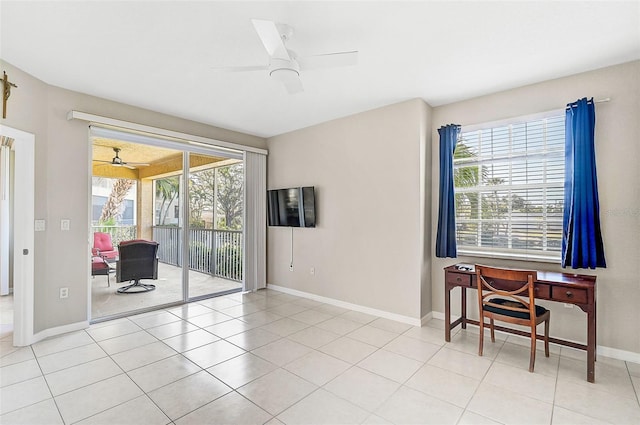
(188, 199)
(215, 207)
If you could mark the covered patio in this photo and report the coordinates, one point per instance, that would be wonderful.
(105, 301)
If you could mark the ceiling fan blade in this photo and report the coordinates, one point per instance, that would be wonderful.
(138, 164)
(241, 68)
(293, 84)
(271, 38)
(329, 60)
(99, 160)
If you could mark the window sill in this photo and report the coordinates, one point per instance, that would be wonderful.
(510, 256)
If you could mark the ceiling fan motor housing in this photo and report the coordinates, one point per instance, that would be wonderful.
(116, 160)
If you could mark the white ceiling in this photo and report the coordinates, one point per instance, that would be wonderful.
(160, 55)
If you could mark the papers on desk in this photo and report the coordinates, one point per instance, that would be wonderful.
(466, 267)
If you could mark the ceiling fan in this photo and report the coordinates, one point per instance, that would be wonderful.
(284, 65)
(118, 162)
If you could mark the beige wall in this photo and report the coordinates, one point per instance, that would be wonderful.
(618, 155)
(62, 184)
(368, 247)
(374, 174)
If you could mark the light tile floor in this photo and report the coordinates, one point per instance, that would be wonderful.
(269, 357)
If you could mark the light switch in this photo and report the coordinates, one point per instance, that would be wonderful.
(39, 226)
(64, 224)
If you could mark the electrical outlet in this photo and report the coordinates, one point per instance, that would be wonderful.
(312, 270)
(64, 293)
(65, 224)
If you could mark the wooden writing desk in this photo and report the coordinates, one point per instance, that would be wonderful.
(568, 288)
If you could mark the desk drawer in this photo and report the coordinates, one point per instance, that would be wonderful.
(569, 295)
(460, 279)
(542, 291)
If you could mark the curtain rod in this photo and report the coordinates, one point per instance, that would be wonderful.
(606, 99)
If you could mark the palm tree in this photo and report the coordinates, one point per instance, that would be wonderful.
(111, 211)
(167, 189)
(465, 176)
(467, 203)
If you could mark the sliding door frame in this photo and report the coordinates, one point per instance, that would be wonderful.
(184, 139)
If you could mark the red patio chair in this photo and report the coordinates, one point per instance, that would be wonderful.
(103, 247)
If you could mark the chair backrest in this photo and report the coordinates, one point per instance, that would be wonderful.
(138, 260)
(516, 286)
(102, 241)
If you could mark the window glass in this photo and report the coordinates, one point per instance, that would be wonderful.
(509, 189)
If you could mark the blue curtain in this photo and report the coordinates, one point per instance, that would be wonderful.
(446, 237)
(581, 236)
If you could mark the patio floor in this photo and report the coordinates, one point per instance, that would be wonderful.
(105, 301)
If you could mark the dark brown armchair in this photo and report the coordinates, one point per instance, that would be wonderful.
(138, 260)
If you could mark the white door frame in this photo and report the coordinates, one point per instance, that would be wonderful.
(23, 234)
(5, 216)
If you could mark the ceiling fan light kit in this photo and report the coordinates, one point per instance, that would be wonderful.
(281, 69)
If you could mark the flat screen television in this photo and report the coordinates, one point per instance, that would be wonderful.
(292, 207)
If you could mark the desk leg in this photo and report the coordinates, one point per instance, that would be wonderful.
(463, 306)
(447, 313)
(591, 344)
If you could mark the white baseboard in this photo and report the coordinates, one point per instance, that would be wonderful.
(437, 315)
(59, 330)
(614, 353)
(426, 318)
(356, 307)
(601, 350)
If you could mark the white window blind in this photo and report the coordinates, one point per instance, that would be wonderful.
(509, 189)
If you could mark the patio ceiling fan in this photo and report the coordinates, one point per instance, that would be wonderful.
(118, 162)
(284, 65)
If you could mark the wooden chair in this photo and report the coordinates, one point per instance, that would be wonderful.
(508, 296)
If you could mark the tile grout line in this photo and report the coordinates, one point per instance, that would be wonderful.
(494, 361)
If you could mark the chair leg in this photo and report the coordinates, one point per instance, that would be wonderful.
(493, 332)
(532, 357)
(481, 337)
(546, 338)
(135, 288)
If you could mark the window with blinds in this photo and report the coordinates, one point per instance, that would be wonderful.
(509, 189)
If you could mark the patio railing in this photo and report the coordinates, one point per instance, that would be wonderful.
(118, 233)
(215, 252)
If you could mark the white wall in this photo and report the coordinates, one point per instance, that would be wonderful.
(62, 183)
(618, 154)
(367, 248)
